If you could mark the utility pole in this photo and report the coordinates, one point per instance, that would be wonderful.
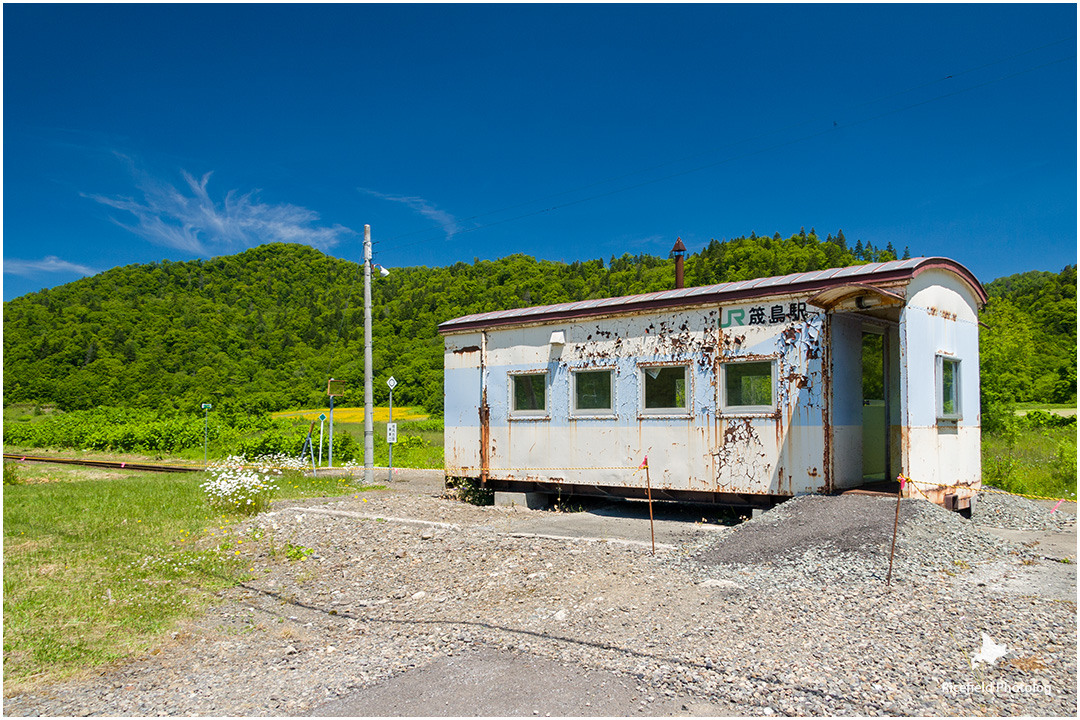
(369, 411)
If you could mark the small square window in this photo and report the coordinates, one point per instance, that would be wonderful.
(592, 392)
(948, 388)
(748, 386)
(665, 390)
(528, 394)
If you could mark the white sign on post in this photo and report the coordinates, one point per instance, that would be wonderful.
(391, 428)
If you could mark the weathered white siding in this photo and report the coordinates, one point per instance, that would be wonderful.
(780, 452)
(940, 318)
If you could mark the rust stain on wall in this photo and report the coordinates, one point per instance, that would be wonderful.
(935, 312)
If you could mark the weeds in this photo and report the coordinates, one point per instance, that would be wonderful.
(297, 552)
(469, 490)
(566, 505)
(1032, 458)
(1028, 664)
(12, 474)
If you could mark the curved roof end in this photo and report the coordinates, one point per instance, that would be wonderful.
(942, 263)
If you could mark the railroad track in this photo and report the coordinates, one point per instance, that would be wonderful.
(111, 464)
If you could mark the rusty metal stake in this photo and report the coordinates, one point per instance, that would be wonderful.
(648, 491)
(896, 523)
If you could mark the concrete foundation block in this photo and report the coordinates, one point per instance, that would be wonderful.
(530, 500)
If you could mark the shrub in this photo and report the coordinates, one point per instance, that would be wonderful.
(1038, 419)
(1063, 468)
(433, 425)
(12, 475)
(409, 441)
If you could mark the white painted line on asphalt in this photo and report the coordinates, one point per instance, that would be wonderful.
(451, 526)
(363, 516)
(614, 541)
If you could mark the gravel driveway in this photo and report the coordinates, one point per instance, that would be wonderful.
(412, 604)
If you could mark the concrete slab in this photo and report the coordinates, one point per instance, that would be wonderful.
(531, 501)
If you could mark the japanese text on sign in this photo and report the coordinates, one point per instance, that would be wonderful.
(764, 314)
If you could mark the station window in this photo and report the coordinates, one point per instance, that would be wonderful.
(528, 394)
(948, 388)
(749, 386)
(665, 389)
(593, 392)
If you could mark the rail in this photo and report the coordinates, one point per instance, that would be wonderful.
(111, 464)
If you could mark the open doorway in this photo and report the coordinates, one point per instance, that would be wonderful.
(874, 408)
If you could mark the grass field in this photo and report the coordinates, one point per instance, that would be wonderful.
(1031, 461)
(101, 564)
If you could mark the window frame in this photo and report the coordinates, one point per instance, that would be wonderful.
(541, 414)
(728, 409)
(577, 412)
(688, 379)
(940, 361)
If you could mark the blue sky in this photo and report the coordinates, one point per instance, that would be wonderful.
(136, 133)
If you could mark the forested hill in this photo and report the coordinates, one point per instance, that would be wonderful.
(264, 329)
(1028, 347)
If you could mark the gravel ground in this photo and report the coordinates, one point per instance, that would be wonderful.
(784, 614)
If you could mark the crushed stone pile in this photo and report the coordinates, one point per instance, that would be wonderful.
(816, 539)
(1016, 513)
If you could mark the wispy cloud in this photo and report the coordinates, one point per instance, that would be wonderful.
(443, 219)
(51, 264)
(189, 219)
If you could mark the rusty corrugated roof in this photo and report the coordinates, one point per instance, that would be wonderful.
(814, 281)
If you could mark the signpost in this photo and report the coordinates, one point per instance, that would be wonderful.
(333, 387)
(206, 421)
(322, 421)
(309, 449)
(391, 427)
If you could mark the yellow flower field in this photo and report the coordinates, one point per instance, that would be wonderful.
(356, 415)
